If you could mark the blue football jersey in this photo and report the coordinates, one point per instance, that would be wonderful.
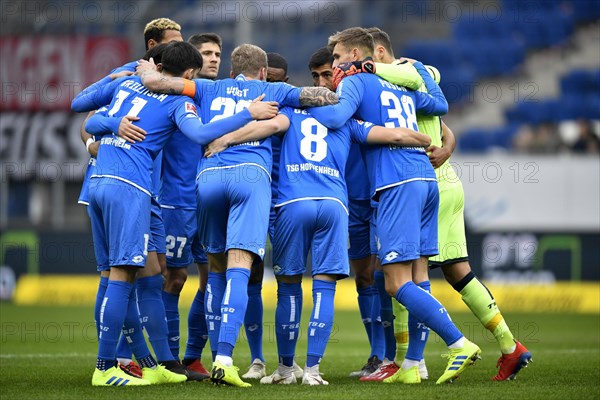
(370, 98)
(160, 116)
(179, 163)
(357, 179)
(313, 158)
(83, 195)
(223, 98)
(276, 150)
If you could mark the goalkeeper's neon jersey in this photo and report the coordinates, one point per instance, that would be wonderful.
(373, 99)
(226, 97)
(313, 158)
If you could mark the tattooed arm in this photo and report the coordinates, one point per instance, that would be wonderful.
(157, 82)
(317, 96)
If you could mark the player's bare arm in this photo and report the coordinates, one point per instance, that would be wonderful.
(317, 97)
(253, 131)
(157, 82)
(439, 155)
(263, 109)
(88, 139)
(398, 136)
(130, 132)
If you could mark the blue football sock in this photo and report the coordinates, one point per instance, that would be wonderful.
(253, 321)
(365, 306)
(111, 317)
(152, 314)
(197, 330)
(133, 334)
(377, 333)
(428, 310)
(102, 285)
(123, 348)
(418, 332)
(321, 321)
(171, 302)
(287, 320)
(233, 309)
(387, 316)
(215, 289)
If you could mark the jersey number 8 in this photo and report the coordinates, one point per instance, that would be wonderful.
(313, 146)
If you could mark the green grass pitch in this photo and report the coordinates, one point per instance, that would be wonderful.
(49, 353)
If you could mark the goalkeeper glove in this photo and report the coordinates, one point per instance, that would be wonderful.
(352, 68)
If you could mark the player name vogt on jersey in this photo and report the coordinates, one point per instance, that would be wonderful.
(235, 91)
(141, 89)
(319, 169)
(116, 141)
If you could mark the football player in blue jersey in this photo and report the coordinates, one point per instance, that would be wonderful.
(253, 320)
(177, 199)
(233, 192)
(362, 257)
(209, 46)
(404, 184)
(156, 32)
(123, 171)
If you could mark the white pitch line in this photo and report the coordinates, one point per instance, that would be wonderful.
(48, 355)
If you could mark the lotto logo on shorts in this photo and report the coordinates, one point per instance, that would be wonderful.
(391, 255)
(261, 252)
(276, 269)
(137, 259)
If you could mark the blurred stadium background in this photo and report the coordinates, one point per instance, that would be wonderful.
(522, 78)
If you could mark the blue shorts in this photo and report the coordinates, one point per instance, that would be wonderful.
(409, 214)
(120, 217)
(198, 253)
(272, 217)
(317, 225)
(359, 229)
(180, 229)
(157, 229)
(373, 239)
(233, 209)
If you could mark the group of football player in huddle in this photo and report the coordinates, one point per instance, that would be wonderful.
(353, 172)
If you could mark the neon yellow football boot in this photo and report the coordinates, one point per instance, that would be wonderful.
(222, 375)
(458, 360)
(408, 376)
(161, 375)
(116, 377)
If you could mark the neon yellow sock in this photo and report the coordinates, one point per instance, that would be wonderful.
(400, 331)
(478, 298)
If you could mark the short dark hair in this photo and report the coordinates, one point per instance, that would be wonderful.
(201, 38)
(381, 38)
(320, 57)
(156, 28)
(276, 60)
(155, 53)
(179, 56)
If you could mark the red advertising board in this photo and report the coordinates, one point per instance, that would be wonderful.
(44, 72)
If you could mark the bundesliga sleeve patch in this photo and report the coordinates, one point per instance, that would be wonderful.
(190, 108)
